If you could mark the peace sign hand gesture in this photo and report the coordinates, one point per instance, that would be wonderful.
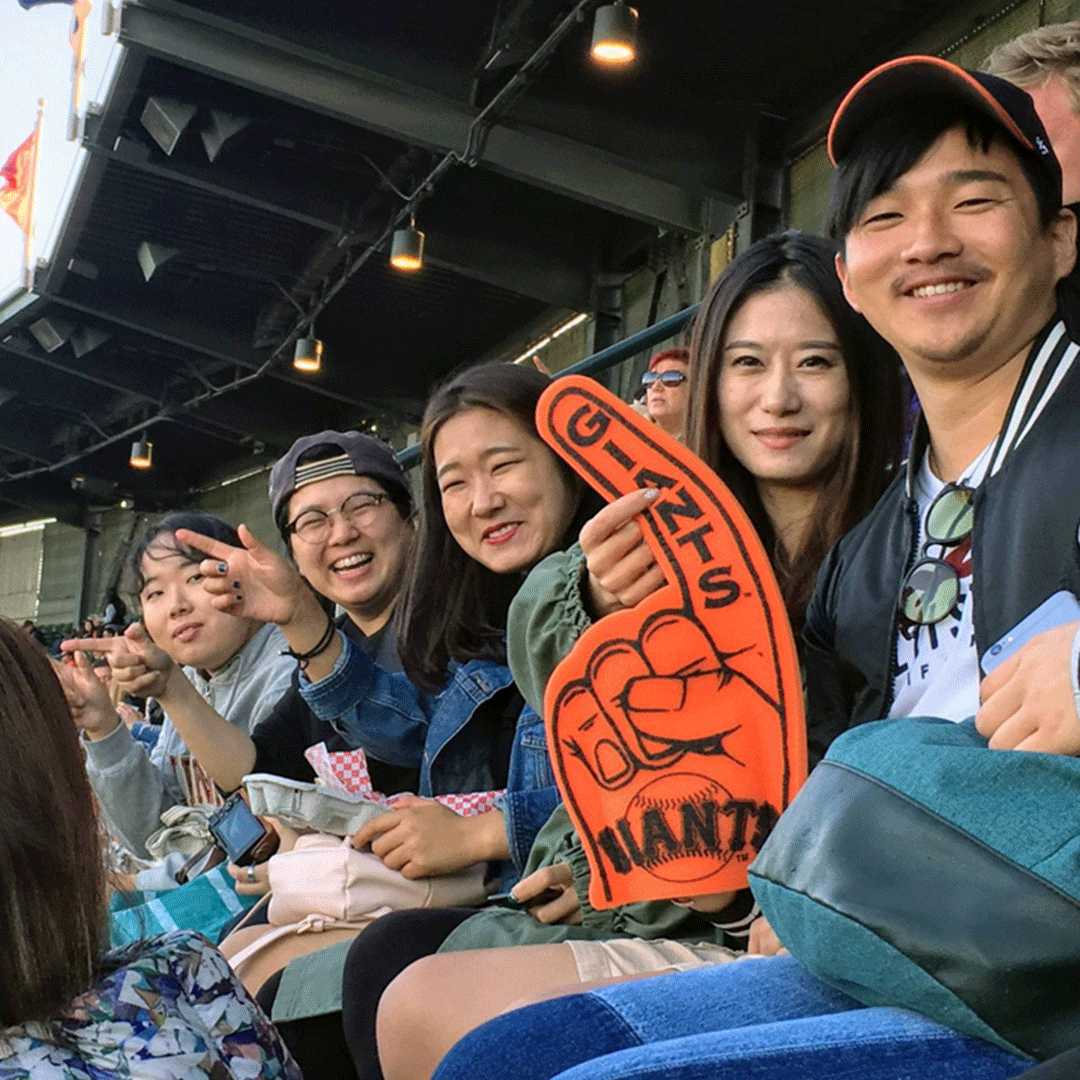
(675, 726)
(251, 582)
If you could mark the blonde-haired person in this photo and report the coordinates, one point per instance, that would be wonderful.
(1046, 63)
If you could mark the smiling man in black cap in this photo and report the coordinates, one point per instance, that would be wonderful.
(947, 206)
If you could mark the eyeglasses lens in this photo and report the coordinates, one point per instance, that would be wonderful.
(930, 592)
(952, 516)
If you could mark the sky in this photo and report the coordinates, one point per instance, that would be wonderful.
(38, 64)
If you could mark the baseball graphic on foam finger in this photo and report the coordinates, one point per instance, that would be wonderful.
(679, 823)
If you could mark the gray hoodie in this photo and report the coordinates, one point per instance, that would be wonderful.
(134, 788)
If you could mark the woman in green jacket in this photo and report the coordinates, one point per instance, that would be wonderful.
(795, 403)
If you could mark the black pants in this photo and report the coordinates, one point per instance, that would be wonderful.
(317, 1042)
(378, 955)
(341, 1046)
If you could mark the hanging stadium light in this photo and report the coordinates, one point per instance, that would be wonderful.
(307, 356)
(142, 453)
(407, 248)
(614, 39)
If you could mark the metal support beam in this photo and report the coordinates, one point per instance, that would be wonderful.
(302, 203)
(125, 81)
(511, 267)
(39, 500)
(223, 426)
(368, 99)
(49, 361)
(92, 534)
(477, 256)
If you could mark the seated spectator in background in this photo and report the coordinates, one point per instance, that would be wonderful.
(168, 1007)
(1046, 63)
(947, 203)
(198, 662)
(667, 391)
(114, 613)
(796, 405)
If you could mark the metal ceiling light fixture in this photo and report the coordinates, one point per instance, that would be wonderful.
(166, 119)
(50, 332)
(407, 248)
(152, 255)
(87, 338)
(614, 38)
(307, 356)
(222, 128)
(142, 453)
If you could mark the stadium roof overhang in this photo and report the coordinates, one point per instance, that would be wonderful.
(294, 127)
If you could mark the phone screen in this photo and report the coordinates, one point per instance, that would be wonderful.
(238, 830)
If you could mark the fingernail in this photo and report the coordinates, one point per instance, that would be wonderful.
(651, 493)
(238, 598)
(222, 568)
(236, 584)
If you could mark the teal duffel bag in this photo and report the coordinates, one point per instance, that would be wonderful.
(917, 867)
(207, 903)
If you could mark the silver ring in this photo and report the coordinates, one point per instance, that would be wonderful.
(251, 874)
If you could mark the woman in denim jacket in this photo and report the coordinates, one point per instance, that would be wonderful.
(496, 501)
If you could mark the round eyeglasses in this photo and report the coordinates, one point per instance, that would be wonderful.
(666, 378)
(359, 510)
(932, 586)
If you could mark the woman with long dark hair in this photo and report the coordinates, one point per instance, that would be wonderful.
(168, 1007)
(795, 403)
(795, 267)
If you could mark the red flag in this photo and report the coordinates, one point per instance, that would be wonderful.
(18, 178)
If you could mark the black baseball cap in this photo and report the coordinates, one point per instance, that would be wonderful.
(907, 76)
(358, 455)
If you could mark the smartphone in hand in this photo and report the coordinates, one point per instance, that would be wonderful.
(1057, 610)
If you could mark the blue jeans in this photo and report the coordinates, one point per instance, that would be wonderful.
(766, 1019)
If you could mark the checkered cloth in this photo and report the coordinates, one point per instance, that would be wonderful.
(347, 771)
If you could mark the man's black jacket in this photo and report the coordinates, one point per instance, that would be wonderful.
(1023, 549)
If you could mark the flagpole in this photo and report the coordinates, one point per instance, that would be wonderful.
(28, 277)
(80, 11)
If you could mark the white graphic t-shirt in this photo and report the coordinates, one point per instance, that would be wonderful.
(937, 666)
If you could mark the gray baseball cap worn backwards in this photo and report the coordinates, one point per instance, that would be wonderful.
(358, 455)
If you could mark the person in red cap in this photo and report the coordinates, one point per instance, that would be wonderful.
(666, 390)
(946, 206)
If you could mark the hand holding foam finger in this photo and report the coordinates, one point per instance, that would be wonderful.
(675, 726)
(621, 565)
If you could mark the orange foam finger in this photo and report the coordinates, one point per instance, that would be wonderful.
(698, 684)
